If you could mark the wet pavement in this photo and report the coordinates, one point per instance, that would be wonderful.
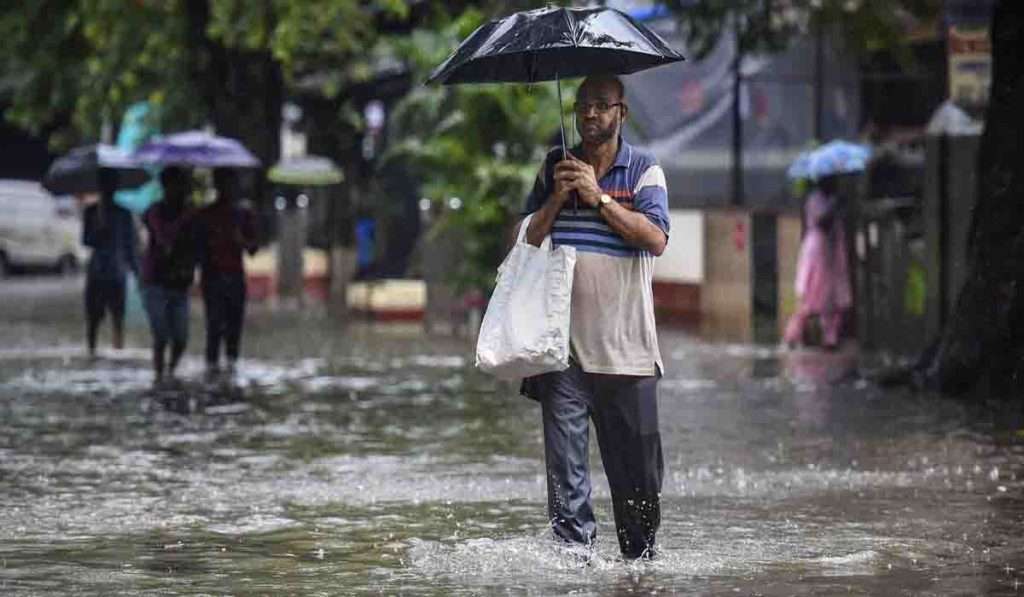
(374, 460)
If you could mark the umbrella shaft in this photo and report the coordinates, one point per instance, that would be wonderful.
(561, 128)
(561, 115)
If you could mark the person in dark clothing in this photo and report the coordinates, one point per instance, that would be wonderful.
(168, 268)
(228, 229)
(110, 231)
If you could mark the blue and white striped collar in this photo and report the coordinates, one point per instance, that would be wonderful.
(624, 155)
(622, 158)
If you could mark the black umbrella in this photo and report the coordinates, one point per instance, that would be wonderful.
(78, 171)
(552, 44)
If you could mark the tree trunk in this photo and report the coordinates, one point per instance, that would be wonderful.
(247, 106)
(243, 91)
(984, 339)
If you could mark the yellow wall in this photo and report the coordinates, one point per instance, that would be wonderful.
(788, 247)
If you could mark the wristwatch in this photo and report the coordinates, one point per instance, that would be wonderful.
(605, 199)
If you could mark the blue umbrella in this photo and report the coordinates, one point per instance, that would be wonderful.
(196, 149)
(834, 157)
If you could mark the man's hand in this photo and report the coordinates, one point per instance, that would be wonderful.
(565, 177)
(580, 177)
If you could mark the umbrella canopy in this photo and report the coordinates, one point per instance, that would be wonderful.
(196, 149)
(309, 170)
(834, 157)
(77, 172)
(555, 43)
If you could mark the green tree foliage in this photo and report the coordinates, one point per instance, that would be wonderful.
(71, 65)
(481, 144)
(75, 65)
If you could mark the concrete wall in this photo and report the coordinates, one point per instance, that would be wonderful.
(727, 295)
(683, 259)
(726, 301)
(679, 271)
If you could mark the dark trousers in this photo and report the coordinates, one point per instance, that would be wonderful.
(624, 410)
(102, 295)
(224, 299)
(167, 309)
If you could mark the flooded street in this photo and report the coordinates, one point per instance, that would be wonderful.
(376, 460)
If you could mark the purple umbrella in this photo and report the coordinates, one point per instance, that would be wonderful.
(197, 149)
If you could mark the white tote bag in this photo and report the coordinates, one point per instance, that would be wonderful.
(525, 330)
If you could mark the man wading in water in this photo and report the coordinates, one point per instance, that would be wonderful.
(620, 227)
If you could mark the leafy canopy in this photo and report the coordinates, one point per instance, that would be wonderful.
(73, 65)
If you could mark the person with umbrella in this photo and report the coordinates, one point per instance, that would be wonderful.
(822, 283)
(168, 268)
(822, 274)
(227, 229)
(621, 224)
(107, 228)
(609, 200)
(110, 231)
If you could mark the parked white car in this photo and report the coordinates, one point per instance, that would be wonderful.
(38, 230)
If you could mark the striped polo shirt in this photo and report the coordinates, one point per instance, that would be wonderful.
(612, 329)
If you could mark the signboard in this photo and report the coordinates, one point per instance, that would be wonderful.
(970, 66)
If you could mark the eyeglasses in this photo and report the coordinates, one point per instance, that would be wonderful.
(600, 107)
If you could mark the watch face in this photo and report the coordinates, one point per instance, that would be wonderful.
(605, 199)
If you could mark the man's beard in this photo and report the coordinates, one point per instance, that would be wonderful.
(598, 134)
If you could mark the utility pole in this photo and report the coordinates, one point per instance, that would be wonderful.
(819, 80)
(737, 116)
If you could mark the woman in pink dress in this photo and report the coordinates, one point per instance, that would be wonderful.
(822, 276)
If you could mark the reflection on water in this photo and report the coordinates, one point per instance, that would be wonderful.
(376, 461)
